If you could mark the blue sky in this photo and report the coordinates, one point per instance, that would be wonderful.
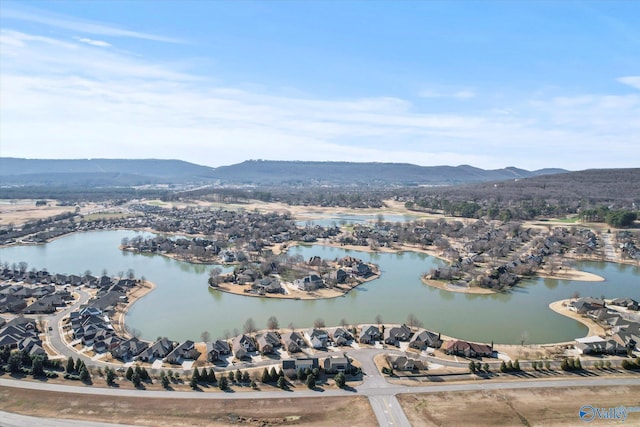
(491, 84)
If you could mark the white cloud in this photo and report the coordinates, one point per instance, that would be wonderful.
(86, 27)
(65, 99)
(633, 81)
(457, 94)
(92, 42)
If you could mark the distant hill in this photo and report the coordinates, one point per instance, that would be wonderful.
(298, 173)
(100, 172)
(122, 173)
(591, 186)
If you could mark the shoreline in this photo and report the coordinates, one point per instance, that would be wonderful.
(120, 315)
(561, 308)
(453, 288)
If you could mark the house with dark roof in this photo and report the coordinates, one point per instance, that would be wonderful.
(467, 349)
(336, 364)
(158, 350)
(217, 349)
(309, 283)
(293, 342)
(267, 342)
(317, 338)
(369, 334)
(184, 351)
(129, 349)
(395, 334)
(341, 336)
(423, 339)
(242, 346)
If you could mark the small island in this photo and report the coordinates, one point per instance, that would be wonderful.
(292, 277)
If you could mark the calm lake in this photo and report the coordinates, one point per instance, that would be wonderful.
(182, 306)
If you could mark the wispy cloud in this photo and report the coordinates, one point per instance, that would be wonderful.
(457, 94)
(633, 81)
(92, 42)
(85, 27)
(69, 99)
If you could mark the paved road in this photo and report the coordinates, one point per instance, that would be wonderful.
(8, 419)
(388, 411)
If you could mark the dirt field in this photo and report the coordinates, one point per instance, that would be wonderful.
(320, 411)
(536, 407)
(25, 210)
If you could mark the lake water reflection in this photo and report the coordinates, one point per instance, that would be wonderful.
(182, 305)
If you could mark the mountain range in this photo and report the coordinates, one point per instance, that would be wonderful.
(123, 173)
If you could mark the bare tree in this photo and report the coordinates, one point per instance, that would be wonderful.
(378, 319)
(205, 336)
(343, 322)
(272, 323)
(249, 326)
(413, 321)
(319, 323)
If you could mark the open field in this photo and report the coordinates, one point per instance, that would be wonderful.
(532, 407)
(26, 210)
(320, 411)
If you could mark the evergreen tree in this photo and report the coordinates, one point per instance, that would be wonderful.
(144, 375)
(516, 365)
(110, 376)
(245, 377)
(577, 365)
(212, 376)
(232, 376)
(84, 374)
(340, 379)
(196, 375)
(71, 366)
(165, 382)
(311, 381)
(509, 366)
(14, 362)
(265, 376)
(472, 367)
(301, 375)
(486, 367)
(273, 375)
(282, 383)
(136, 380)
(503, 367)
(129, 374)
(238, 376)
(37, 366)
(79, 365)
(223, 383)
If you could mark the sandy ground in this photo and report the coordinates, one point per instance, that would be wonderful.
(561, 308)
(571, 274)
(453, 288)
(532, 407)
(26, 210)
(318, 411)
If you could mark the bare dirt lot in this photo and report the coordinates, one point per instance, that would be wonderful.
(20, 211)
(534, 407)
(320, 411)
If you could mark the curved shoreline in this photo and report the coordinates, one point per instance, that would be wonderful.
(453, 288)
(561, 308)
(136, 295)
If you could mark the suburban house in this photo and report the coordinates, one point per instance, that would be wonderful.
(129, 349)
(336, 364)
(394, 335)
(369, 334)
(267, 342)
(597, 345)
(423, 339)
(467, 349)
(403, 363)
(341, 336)
(309, 283)
(293, 342)
(242, 346)
(158, 350)
(583, 305)
(317, 338)
(628, 303)
(184, 351)
(268, 285)
(216, 349)
(304, 363)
